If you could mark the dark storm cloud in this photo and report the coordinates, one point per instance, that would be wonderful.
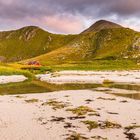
(67, 10)
(99, 7)
(23, 8)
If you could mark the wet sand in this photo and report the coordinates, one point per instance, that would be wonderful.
(48, 116)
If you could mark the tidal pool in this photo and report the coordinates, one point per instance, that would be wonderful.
(125, 90)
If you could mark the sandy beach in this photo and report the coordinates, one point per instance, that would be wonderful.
(94, 114)
(12, 79)
(98, 77)
(51, 116)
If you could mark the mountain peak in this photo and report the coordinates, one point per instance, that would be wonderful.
(102, 24)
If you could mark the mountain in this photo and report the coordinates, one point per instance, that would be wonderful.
(29, 42)
(107, 44)
(103, 40)
(102, 24)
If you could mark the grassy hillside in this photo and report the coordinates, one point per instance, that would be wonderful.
(117, 44)
(104, 40)
(29, 42)
(78, 49)
(107, 44)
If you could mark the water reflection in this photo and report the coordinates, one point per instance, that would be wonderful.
(41, 87)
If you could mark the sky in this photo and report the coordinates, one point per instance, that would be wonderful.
(67, 16)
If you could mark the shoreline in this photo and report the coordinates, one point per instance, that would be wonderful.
(99, 77)
(80, 77)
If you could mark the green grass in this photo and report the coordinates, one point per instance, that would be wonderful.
(81, 110)
(107, 49)
(107, 44)
(12, 71)
(98, 65)
(29, 42)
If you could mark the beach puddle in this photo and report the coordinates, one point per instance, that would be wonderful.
(125, 90)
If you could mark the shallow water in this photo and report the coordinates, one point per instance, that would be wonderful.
(41, 87)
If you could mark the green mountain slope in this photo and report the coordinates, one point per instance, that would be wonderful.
(117, 44)
(121, 43)
(29, 42)
(103, 40)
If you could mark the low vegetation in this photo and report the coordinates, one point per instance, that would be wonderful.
(110, 99)
(106, 81)
(37, 69)
(55, 104)
(104, 46)
(76, 136)
(94, 65)
(132, 127)
(29, 42)
(31, 101)
(91, 124)
(5, 70)
(81, 110)
(98, 138)
(102, 125)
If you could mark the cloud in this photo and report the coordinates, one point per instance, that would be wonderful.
(67, 16)
(60, 24)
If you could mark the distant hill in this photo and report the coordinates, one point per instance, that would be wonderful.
(103, 40)
(29, 42)
(107, 44)
(102, 24)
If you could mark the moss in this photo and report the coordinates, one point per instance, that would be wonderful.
(132, 127)
(91, 124)
(109, 124)
(101, 124)
(94, 114)
(99, 138)
(18, 96)
(106, 81)
(76, 136)
(110, 99)
(55, 104)
(81, 110)
(31, 101)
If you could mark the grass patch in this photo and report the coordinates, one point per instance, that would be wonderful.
(81, 110)
(96, 65)
(4, 70)
(20, 97)
(98, 138)
(109, 99)
(106, 81)
(132, 127)
(37, 69)
(32, 101)
(55, 104)
(76, 136)
(91, 124)
(102, 124)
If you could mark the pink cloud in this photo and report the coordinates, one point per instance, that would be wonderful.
(62, 24)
